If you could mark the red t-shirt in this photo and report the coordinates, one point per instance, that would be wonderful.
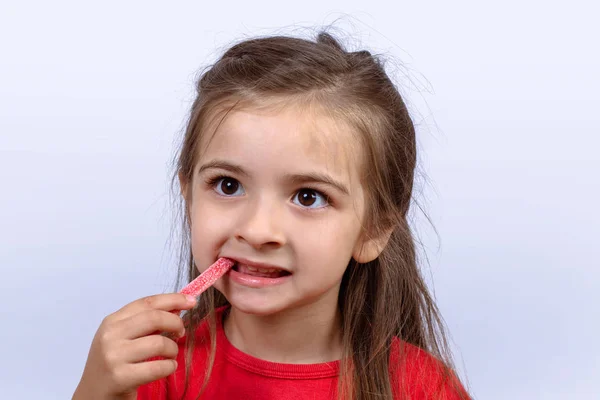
(236, 375)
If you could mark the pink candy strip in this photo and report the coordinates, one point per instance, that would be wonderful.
(208, 277)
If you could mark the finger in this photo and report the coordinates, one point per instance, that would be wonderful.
(150, 346)
(148, 322)
(165, 302)
(132, 376)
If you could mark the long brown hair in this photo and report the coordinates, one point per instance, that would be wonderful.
(380, 300)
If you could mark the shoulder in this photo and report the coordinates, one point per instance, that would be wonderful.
(416, 374)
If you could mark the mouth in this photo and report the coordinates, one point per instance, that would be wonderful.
(259, 270)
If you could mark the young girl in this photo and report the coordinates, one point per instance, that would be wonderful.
(298, 164)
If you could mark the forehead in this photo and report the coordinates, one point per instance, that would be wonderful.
(292, 138)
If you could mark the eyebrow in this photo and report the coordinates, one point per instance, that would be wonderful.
(310, 177)
(227, 166)
(314, 177)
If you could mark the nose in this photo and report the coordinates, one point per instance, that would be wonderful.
(261, 225)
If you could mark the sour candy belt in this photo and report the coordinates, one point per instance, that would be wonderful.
(208, 277)
(203, 282)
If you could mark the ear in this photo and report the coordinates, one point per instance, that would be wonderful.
(369, 248)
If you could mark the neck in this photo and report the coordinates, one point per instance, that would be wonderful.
(298, 336)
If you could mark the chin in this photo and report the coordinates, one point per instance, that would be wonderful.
(255, 311)
(253, 306)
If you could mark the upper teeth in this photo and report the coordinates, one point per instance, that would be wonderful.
(261, 270)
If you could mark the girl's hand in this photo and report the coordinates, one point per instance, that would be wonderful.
(116, 364)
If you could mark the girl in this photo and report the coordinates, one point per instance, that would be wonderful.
(298, 164)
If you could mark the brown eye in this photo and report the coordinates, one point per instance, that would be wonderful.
(307, 197)
(229, 187)
(310, 198)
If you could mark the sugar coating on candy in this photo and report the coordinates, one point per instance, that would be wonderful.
(208, 277)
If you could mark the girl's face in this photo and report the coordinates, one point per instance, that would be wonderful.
(280, 194)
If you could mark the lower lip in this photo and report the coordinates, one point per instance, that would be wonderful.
(255, 281)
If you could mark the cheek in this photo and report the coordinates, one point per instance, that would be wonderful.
(209, 227)
(206, 215)
(331, 241)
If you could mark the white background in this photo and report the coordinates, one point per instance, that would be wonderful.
(505, 96)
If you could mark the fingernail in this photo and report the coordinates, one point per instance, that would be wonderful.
(190, 299)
